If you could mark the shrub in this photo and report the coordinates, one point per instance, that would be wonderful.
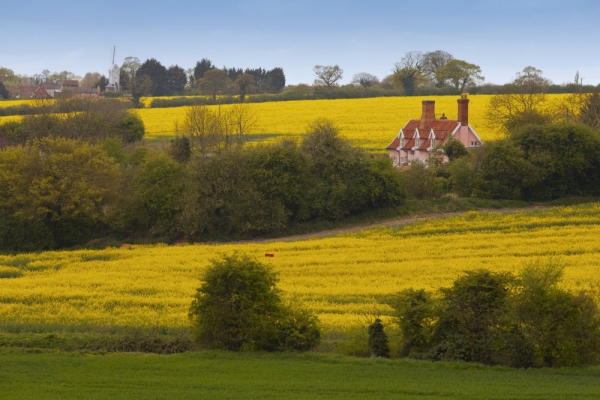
(378, 341)
(238, 308)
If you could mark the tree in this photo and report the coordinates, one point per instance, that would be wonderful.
(238, 307)
(65, 185)
(176, 80)
(4, 94)
(276, 80)
(128, 72)
(474, 309)
(560, 328)
(364, 79)
(327, 75)
(201, 67)
(407, 73)
(7, 76)
(525, 94)
(378, 341)
(244, 85)
(158, 75)
(454, 149)
(102, 82)
(589, 112)
(431, 62)
(460, 74)
(89, 79)
(215, 81)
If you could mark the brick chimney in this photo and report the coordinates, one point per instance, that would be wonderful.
(463, 110)
(428, 114)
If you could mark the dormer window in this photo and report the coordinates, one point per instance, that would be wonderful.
(402, 141)
(432, 142)
(417, 141)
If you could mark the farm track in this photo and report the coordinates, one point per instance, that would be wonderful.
(391, 222)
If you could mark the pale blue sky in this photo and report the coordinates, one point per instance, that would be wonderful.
(501, 36)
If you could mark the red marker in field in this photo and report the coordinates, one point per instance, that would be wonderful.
(269, 255)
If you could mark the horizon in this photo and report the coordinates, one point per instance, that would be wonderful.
(502, 37)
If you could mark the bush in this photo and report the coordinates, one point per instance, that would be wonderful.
(378, 341)
(238, 307)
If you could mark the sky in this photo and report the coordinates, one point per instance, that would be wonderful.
(501, 36)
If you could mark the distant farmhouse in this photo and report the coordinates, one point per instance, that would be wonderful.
(416, 141)
(52, 91)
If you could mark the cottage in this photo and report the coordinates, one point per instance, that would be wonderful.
(418, 138)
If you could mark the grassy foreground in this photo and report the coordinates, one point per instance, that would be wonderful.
(222, 375)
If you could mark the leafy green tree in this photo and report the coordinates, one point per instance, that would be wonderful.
(180, 149)
(213, 82)
(276, 80)
(415, 315)
(281, 174)
(475, 309)
(158, 75)
(431, 62)
(562, 328)
(68, 186)
(460, 74)
(244, 85)
(454, 149)
(502, 172)
(220, 197)
(176, 80)
(378, 341)
(4, 94)
(201, 67)
(565, 158)
(238, 307)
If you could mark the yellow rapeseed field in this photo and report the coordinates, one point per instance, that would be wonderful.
(339, 277)
(370, 123)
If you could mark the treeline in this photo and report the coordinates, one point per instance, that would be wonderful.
(493, 318)
(58, 192)
(151, 78)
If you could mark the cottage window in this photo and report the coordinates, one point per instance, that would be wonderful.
(433, 141)
(401, 160)
(417, 141)
(474, 144)
(402, 141)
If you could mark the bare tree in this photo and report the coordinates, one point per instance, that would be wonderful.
(327, 75)
(431, 62)
(364, 79)
(525, 95)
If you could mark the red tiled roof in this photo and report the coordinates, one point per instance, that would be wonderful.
(442, 129)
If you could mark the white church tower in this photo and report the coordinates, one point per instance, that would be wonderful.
(113, 76)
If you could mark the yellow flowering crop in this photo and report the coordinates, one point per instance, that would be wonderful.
(339, 277)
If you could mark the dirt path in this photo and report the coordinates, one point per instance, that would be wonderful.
(391, 222)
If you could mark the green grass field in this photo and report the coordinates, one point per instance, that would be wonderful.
(217, 375)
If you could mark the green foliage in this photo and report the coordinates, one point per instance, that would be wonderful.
(4, 94)
(57, 189)
(454, 149)
(566, 159)
(502, 172)
(414, 314)
(220, 197)
(423, 182)
(473, 308)
(378, 341)
(491, 318)
(131, 128)
(463, 174)
(180, 149)
(238, 307)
